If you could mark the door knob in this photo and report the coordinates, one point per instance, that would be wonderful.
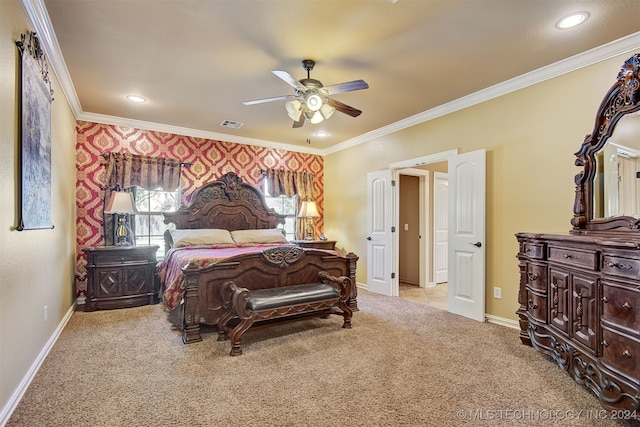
(476, 244)
(368, 238)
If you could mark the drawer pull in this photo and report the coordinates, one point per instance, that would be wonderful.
(533, 276)
(626, 306)
(618, 265)
(605, 343)
(532, 306)
(568, 256)
(626, 353)
(605, 299)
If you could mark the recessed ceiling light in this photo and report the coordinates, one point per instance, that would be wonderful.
(135, 98)
(572, 20)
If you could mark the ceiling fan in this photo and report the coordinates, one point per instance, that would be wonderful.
(311, 100)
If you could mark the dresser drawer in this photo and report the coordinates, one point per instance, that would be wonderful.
(574, 257)
(537, 277)
(536, 304)
(121, 257)
(621, 306)
(621, 266)
(620, 352)
(533, 250)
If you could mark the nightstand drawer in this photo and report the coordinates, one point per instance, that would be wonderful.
(316, 244)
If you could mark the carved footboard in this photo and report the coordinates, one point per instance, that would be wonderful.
(274, 267)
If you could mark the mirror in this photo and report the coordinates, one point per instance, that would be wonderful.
(616, 186)
(607, 197)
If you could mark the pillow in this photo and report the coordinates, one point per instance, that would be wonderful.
(267, 235)
(200, 236)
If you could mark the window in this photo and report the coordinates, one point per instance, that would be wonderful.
(284, 206)
(149, 221)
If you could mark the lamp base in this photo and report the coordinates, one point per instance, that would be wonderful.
(310, 231)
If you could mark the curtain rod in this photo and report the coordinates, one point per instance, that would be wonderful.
(263, 172)
(186, 164)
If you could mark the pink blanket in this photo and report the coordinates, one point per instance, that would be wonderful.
(170, 270)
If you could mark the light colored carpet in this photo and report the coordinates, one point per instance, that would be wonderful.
(402, 364)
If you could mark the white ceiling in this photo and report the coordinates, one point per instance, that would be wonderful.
(196, 61)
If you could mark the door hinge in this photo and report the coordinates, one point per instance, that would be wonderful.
(393, 229)
(393, 275)
(393, 182)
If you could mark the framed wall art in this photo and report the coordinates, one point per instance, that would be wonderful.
(35, 136)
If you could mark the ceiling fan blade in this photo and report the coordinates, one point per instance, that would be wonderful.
(344, 108)
(300, 122)
(289, 79)
(263, 100)
(346, 87)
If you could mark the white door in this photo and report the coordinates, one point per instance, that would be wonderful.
(379, 235)
(440, 234)
(466, 235)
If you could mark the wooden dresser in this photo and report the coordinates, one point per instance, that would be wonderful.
(579, 293)
(580, 304)
(120, 276)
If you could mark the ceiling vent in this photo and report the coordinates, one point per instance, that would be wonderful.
(231, 124)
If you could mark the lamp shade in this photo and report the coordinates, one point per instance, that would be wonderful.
(121, 202)
(308, 210)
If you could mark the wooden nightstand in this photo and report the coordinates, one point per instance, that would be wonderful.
(316, 244)
(120, 276)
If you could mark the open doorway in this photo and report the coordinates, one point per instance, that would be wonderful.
(422, 234)
(465, 230)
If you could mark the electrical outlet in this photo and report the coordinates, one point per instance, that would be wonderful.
(46, 313)
(497, 292)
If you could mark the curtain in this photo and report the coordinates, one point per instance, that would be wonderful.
(289, 183)
(125, 170)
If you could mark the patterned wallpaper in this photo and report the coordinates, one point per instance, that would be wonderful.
(210, 159)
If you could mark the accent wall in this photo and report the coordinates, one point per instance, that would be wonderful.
(209, 158)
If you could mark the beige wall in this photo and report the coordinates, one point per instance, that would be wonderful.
(36, 266)
(530, 137)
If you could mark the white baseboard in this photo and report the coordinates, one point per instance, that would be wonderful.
(8, 409)
(513, 324)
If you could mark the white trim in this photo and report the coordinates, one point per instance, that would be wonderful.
(513, 324)
(177, 130)
(39, 18)
(424, 160)
(13, 401)
(573, 63)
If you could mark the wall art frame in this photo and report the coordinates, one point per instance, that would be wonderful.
(36, 96)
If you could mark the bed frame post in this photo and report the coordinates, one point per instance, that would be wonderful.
(353, 300)
(191, 306)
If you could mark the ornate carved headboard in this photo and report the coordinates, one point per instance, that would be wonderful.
(228, 203)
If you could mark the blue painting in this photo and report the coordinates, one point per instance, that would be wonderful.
(35, 139)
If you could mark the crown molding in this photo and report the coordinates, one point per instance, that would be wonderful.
(39, 18)
(573, 63)
(177, 130)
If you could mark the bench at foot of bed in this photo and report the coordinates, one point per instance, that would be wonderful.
(244, 308)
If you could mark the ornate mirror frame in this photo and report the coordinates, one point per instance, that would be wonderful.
(621, 99)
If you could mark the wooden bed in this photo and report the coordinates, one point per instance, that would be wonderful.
(230, 204)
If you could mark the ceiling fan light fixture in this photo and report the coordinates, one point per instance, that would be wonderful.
(316, 118)
(327, 111)
(314, 102)
(294, 109)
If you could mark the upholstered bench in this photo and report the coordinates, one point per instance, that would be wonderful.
(328, 296)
